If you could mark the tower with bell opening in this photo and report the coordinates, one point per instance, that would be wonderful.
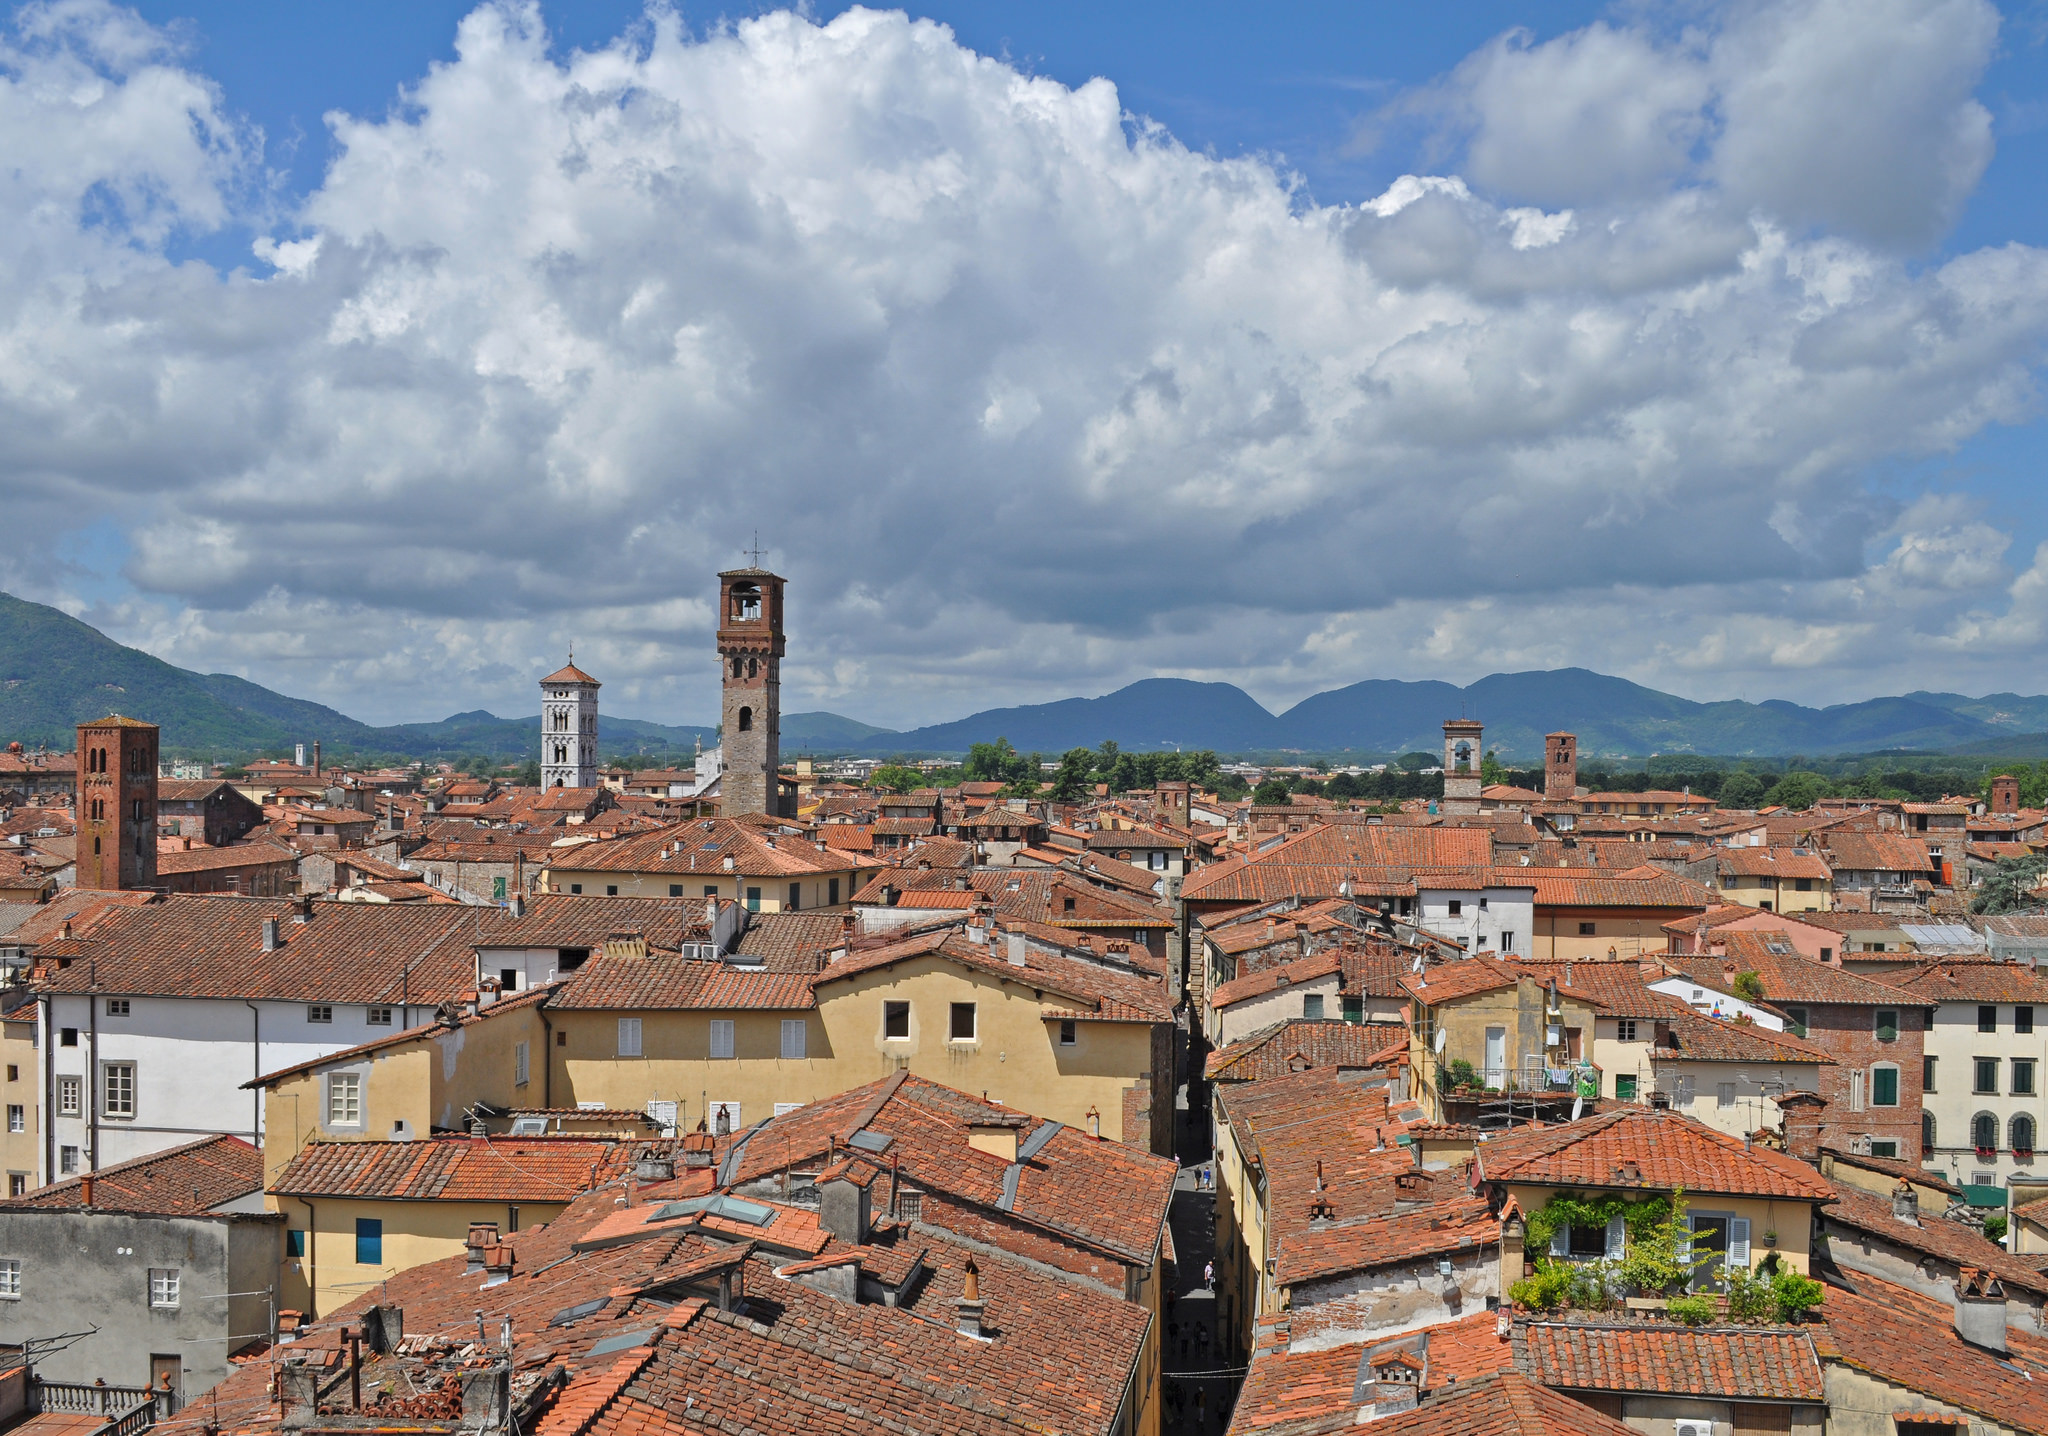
(1461, 765)
(750, 653)
(568, 728)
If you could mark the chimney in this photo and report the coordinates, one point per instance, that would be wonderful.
(844, 1210)
(1800, 1113)
(497, 1264)
(302, 908)
(1906, 1203)
(1015, 951)
(969, 1304)
(85, 1189)
(1980, 1309)
(270, 934)
(519, 904)
(482, 1237)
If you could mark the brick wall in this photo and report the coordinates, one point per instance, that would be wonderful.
(1849, 1035)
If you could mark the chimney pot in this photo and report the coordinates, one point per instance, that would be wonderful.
(85, 1189)
(270, 934)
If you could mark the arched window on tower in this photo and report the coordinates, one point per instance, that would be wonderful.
(736, 668)
(746, 720)
(1926, 1134)
(753, 667)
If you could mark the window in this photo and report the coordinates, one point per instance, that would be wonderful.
(575, 887)
(67, 1161)
(369, 1241)
(721, 1038)
(17, 1117)
(521, 1057)
(1585, 929)
(896, 1020)
(1312, 1005)
(2021, 1134)
(1927, 1073)
(675, 889)
(961, 1028)
(832, 892)
(2022, 1076)
(1507, 939)
(753, 899)
(67, 1037)
(1624, 1087)
(1858, 1091)
(1884, 1086)
(1987, 1075)
(795, 1038)
(378, 1017)
(10, 1278)
(319, 1012)
(1353, 1008)
(117, 1090)
(1887, 1025)
(746, 720)
(711, 889)
(345, 1098)
(117, 1007)
(629, 1037)
(1457, 907)
(498, 889)
(1724, 1094)
(17, 1184)
(611, 889)
(163, 1287)
(13, 1072)
(561, 1039)
(1984, 1132)
(1795, 1021)
(508, 979)
(1884, 1149)
(1827, 954)
(1070, 1032)
(1804, 885)
(1625, 1030)
(2023, 1019)
(295, 1243)
(1926, 1134)
(1987, 1019)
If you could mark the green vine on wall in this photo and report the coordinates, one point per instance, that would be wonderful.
(1641, 1216)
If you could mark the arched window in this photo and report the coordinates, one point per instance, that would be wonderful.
(736, 668)
(1984, 1132)
(1926, 1134)
(746, 720)
(2021, 1133)
(753, 667)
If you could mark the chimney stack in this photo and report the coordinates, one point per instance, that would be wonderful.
(1801, 1113)
(969, 1305)
(1906, 1203)
(270, 934)
(1015, 950)
(1980, 1309)
(85, 1189)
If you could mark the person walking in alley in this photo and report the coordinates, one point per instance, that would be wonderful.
(1209, 1276)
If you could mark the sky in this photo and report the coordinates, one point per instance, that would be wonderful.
(381, 352)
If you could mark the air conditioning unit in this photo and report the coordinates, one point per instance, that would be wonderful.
(1693, 1428)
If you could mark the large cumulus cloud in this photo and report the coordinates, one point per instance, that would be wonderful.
(1025, 396)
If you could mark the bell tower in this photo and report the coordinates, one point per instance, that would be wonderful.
(1461, 765)
(568, 728)
(750, 656)
(1561, 767)
(117, 765)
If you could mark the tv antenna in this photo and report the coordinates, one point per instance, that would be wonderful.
(754, 553)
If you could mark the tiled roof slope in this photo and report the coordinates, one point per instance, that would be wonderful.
(792, 941)
(1302, 1043)
(1456, 1224)
(182, 1181)
(213, 947)
(503, 1007)
(1789, 977)
(1129, 995)
(702, 846)
(1951, 1242)
(1908, 1340)
(1745, 1363)
(1106, 1194)
(1618, 987)
(1876, 852)
(1449, 981)
(1635, 1149)
(1974, 982)
(501, 1169)
(1692, 1036)
(1258, 984)
(663, 982)
(564, 920)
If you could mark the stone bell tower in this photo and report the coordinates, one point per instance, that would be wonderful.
(1461, 765)
(1560, 767)
(568, 728)
(117, 767)
(750, 652)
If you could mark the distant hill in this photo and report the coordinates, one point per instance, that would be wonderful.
(56, 672)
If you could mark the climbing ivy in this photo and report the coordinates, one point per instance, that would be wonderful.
(1641, 1216)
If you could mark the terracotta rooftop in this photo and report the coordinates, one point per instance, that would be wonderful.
(196, 1178)
(450, 1169)
(1973, 982)
(1637, 1149)
(1258, 984)
(1303, 1043)
(1738, 1362)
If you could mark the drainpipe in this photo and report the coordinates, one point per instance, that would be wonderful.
(256, 1061)
(312, 1261)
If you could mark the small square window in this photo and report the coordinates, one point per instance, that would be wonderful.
(721, 1038)
(319, 1012)
(10, 1278)
(294, 1243)
(1724, 1094)
(1069, 1032)
(1312, 1006)
(117, 1007)
(675, 889)
(67, 1037)
(1624, 1087)
(1795, 1021)
(961, 1028)
(1987, 1019)
(1887, 1025)
(1585, 929)
(163, 1287)
(611, 890)
(896, 1021)
(629, 1037)
(67, 1161)
(378, 1017)
(1457, 907)
(575, 887)
(1625, 1030)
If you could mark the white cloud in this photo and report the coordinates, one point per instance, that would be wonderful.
(1026, 397)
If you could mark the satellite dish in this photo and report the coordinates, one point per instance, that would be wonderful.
(1578, 1106)
(1442, 1035)
(1416, 966)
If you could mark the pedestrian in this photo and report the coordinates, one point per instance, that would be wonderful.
(1209, 1276)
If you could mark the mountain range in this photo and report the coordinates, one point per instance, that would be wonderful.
(56, 672)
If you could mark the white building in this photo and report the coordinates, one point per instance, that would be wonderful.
(1496, 920)
(568, 728)
(1982, 1067)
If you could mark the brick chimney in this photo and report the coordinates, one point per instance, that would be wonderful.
(1801, 1115)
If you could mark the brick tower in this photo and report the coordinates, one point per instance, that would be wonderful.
(2005, 794)
(1461, 765)
(568, 728)
(1560, 766)
(116, 804)
(750, 652)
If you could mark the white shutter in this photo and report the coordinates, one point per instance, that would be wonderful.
(629, 1037)
(1738, 1244)
(1561, 1241)
(663, 1113)
(793, 1038)
(1617, 1238)
(721, 1037)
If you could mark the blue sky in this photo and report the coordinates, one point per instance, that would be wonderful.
(383, 495)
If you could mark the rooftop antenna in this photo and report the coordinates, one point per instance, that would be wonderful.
(755, 552)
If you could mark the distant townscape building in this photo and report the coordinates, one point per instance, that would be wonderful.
(750, 647)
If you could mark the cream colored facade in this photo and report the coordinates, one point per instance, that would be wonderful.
(1562, 932)
(832, 890)
(1783, 1228)
(1503, 1033)
(1317, 997)
(20, 1116)
(413, 1233)
(1018, 1056)
(1777, 894)
(1727, 1096)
